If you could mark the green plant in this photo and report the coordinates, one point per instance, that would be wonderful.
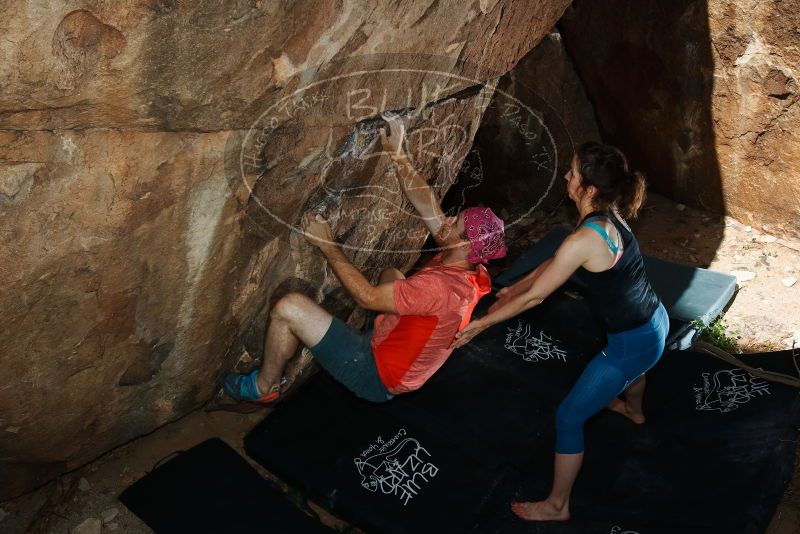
(718, 335)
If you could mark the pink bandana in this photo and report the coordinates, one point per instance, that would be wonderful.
(485, 232)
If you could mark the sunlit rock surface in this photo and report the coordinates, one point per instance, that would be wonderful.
(154, 157)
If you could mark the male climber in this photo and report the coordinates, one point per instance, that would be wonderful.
(418, 316)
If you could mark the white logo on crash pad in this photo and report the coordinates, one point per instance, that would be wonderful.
(725, 391)
(533, 347)
(398, 466)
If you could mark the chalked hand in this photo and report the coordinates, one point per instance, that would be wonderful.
(392, 141)
(316, 229)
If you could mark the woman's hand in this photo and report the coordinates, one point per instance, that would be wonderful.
(393, 143)
(511, 291)
(507, 294)
(500, 302)
(466, 334)
(316, 229)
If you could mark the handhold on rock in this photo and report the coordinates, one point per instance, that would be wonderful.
(84, 485)
(789, 281)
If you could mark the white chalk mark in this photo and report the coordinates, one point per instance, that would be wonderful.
(532, 347)
(725, 391)
(402, 470)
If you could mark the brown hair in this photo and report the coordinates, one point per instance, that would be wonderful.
(606, 168)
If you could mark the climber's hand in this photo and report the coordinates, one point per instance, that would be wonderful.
(392, 141)
(316, 229)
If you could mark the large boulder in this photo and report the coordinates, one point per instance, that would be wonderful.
(524, 146)
(702, 95)
(155, 158)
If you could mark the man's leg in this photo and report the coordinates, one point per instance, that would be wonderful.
(295, 319)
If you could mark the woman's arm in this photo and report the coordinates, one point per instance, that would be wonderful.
(570, 255)
(525, 283)
(521, 286)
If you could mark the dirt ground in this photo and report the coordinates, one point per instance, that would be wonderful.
(763, 316)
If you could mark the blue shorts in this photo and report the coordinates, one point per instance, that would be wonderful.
(345, 353)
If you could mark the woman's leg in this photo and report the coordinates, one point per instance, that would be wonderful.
(556, 506)
(631, 407)
(642, 352)
(599, 383)
(627, 357)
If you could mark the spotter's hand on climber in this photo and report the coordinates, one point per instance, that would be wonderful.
(417, 316)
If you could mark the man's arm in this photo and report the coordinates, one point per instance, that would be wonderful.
(378, 298)
(414, 186)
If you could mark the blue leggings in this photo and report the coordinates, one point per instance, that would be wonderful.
(627, 356)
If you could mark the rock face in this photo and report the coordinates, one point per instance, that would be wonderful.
(539, 113)
(155, 158)
(702, 95)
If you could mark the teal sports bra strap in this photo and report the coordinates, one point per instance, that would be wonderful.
(614, 248)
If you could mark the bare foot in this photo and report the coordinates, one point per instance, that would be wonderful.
(540, 511)
(620, 406)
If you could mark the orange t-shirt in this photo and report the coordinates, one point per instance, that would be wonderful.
(432, 305)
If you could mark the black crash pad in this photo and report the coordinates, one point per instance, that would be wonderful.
(714, 456)
(210, 488)
(380, 473)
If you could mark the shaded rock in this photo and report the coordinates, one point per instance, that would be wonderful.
(84, 485)
(539, 114)
(109, 515)
(88, 526)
